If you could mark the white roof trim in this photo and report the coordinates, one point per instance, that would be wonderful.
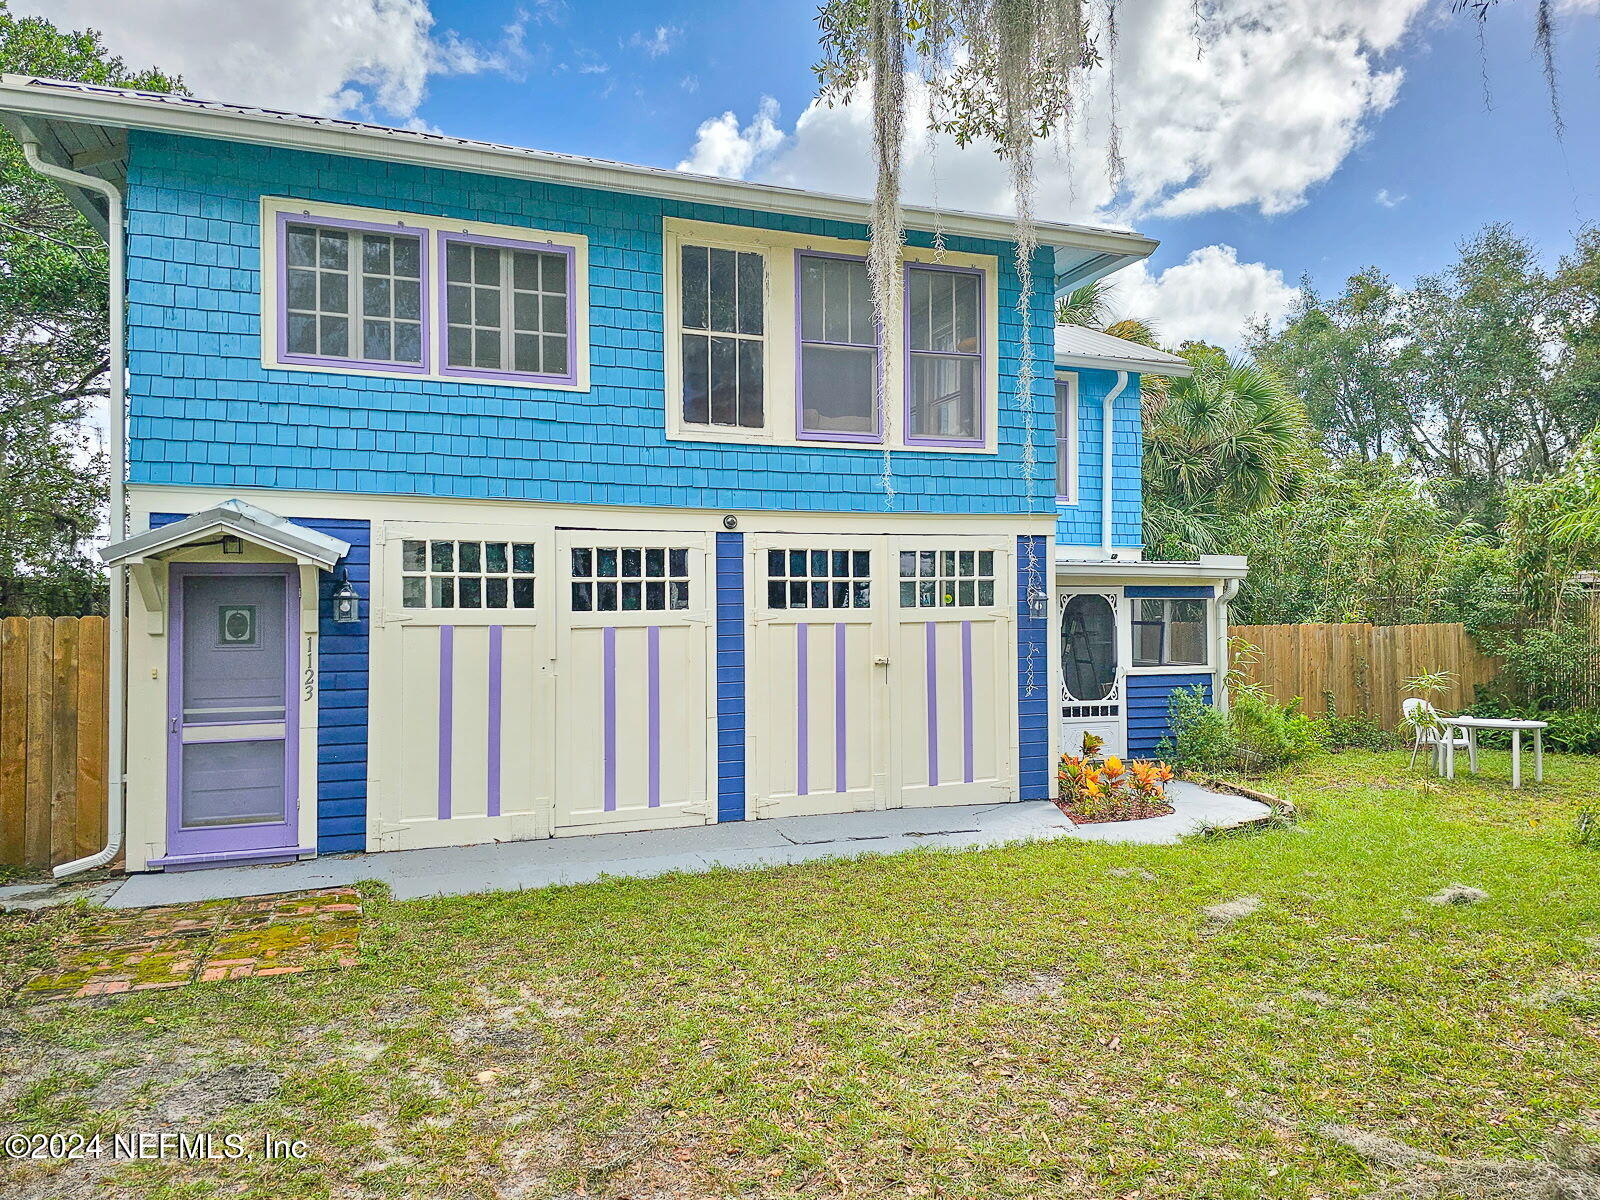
(1117, 571)
(53, 99)
(255, 525)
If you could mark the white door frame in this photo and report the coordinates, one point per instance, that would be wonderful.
(1091, 716)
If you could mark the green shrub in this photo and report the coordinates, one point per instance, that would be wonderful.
(1355, 731)
(1255, 734)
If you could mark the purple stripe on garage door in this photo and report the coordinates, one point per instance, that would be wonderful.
(966, 699)
(840, 781)
(447, 661)
(653, 683)
(933, 703)
(608, 672)
(496, 634)
(802, 701)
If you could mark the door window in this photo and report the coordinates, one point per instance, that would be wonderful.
(946, 578)
(630, 578)
(819, 579)
(1089, 648)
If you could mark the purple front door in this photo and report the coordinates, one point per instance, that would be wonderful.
(232, 720)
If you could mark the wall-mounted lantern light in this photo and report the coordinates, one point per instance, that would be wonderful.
(346, 603)
(1038, 602)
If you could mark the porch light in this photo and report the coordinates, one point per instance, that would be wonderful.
(1038, 602)
(346, 603)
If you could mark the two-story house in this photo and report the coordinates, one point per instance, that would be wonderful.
(478, 493)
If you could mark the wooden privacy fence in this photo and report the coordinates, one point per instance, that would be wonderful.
(52, 739)
(1361, 667)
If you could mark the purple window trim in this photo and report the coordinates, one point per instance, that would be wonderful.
(982, 356)
(800, 344)
(447, 693)
(496, 640)
(444, 240)
(280, 302)
(216, 840)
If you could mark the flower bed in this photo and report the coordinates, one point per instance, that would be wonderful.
(1095, 789)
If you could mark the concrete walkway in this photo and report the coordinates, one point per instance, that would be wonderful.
(511, 866)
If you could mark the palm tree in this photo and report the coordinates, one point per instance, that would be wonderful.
(1224, 443)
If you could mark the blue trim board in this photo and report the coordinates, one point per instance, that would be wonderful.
(342, 658)
(1149, 719)
(730, 677)
(1033, 673)
(1149, 592)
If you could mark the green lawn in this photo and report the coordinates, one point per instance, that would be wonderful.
(1023, 1022)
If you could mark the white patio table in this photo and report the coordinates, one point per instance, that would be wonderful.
(1472, 724)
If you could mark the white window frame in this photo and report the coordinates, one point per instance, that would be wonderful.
(1067, 439)
(431, 229)
(780, 321)
(1208, 620)
(675, 331)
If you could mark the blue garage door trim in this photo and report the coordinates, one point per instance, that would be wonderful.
(1149, 720)
(1033, 673)
(730, 677)
(342, 660)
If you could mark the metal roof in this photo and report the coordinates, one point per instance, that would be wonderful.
(254, 525)
(1080, 347)
(85, 126)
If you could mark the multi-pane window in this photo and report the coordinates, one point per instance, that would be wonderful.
(352, 294)
(819, 578)
(838, 348)
(946, 578)
(507, 309)
(1169, 633)
(945, 353)
(454, 574)
(629, 578)
(723, 336)
(1067, 440)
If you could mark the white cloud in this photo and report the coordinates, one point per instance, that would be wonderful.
(1267, 106)
(366, 58)
(1388, 199)
(722, 148)
(656, 43)
(1210, 296)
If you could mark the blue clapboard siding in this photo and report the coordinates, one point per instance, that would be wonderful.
(1149, 720)
(1169, 593)
(1034, 567)
(342, 660)
(730, 677)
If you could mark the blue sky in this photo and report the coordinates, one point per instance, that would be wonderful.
(1311, 137)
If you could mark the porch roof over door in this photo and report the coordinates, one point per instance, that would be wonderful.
(237, 519)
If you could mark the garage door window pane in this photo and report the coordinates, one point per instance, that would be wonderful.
(649, 578)
(443, 573)
(819, 579)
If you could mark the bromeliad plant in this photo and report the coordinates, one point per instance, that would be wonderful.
(1093, 788)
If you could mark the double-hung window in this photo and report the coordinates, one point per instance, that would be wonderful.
(944, 355)
(1067, 439)
(1169, 633)
(352, 293)
(838, 349)
(507, 309)
(722, 315)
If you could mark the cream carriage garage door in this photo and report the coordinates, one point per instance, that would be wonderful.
(882, 672)
(461, 686)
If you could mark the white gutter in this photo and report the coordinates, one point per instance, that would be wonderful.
(1107, 439)
(1225, 594)
(118, 622)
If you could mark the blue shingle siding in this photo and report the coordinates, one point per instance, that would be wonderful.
(730, 677)
(342, 657)
(1033, 672)
(1149, 719)
(1079, 524)
(204, 410)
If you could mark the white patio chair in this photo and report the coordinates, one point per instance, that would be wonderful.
(1429, 731)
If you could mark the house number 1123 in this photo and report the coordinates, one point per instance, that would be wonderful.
(311, 666)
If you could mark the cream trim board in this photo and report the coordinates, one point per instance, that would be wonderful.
(273, 206)
(1071, 451)
(781, 365)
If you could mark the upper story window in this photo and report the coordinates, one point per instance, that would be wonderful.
(1169, 633)
(722, 316)
(358, 291)
(352, 293)
(1067, 439)
(944, 359)
(838, 387)
(507, 308)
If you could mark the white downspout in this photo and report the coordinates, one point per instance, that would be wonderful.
(1107, 439)
(1230, 589)
(117, 623)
